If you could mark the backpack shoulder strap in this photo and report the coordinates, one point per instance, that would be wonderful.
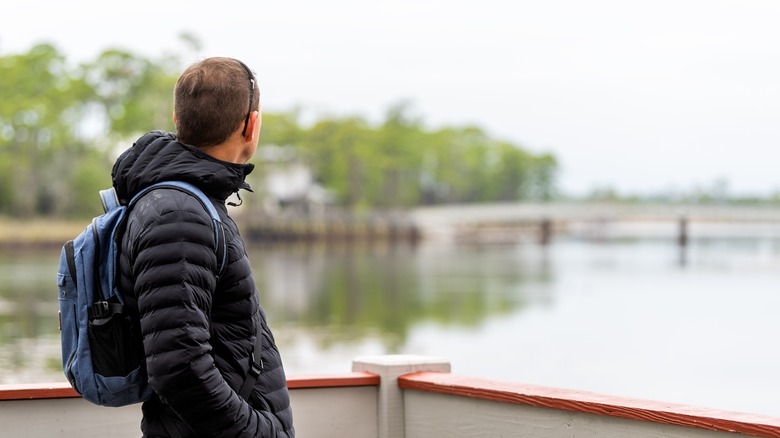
(109, 199)
(255, 366)
(255, 361)
(220, 237)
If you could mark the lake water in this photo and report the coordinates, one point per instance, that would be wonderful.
(636, 318)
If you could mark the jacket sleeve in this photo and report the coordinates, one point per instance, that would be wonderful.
(174, 269)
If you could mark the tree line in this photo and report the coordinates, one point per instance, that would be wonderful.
(61, 126)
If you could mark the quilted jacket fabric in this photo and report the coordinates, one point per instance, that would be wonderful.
(198, 329)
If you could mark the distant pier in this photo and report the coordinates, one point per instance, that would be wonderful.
(542, 222)
(520, 222)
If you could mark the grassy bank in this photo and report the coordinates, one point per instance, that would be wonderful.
(38, 232)
(41, 232)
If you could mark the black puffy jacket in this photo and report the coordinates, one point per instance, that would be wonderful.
(198, 330)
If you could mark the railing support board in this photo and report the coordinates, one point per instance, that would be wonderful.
(390, 406)
(592, 403)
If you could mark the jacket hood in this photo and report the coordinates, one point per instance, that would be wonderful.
(159, 156)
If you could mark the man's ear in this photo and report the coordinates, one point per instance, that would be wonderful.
(253, 128)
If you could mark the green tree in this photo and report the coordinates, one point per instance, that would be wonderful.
(60, 127)
(43, 105)
(400, 163)
(282, 129)
(399, 152)
(59, 124)
(134, 93)
(341, 154)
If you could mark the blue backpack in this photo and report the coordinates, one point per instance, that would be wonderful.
(102, 353)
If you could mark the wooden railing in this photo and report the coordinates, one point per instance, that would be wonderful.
(31, 391)
(565, 402)
(328, 405)
(405, 397)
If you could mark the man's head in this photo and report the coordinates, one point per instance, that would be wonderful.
(212, 102)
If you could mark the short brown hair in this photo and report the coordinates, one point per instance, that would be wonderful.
(211, 101)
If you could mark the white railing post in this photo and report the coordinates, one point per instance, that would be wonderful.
(390, 406)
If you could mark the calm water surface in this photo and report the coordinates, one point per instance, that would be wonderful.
(633, 318)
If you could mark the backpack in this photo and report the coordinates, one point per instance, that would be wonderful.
(102, 353)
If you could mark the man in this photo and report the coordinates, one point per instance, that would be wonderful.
(199, 327)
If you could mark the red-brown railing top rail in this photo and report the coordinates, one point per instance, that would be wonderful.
(63, 390)
(591, 403)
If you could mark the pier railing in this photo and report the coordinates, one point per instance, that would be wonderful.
(517, 222)
(405, 397)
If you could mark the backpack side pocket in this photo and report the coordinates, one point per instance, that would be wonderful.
(113, 342)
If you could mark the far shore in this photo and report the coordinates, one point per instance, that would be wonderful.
(38, 232)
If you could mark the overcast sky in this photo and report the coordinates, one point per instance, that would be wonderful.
(642, 96)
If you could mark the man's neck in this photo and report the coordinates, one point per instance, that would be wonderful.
(233, 150)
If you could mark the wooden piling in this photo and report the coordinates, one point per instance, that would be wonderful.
(682, 235)
(545, 231)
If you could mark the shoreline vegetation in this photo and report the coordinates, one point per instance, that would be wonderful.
(38, 232)
(61, 127)
(53, 233)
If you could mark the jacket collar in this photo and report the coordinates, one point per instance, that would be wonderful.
(158, 156)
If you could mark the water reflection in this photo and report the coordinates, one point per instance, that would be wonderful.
(350, 292)
(621, 317)
(354, 299)
(29, 337)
